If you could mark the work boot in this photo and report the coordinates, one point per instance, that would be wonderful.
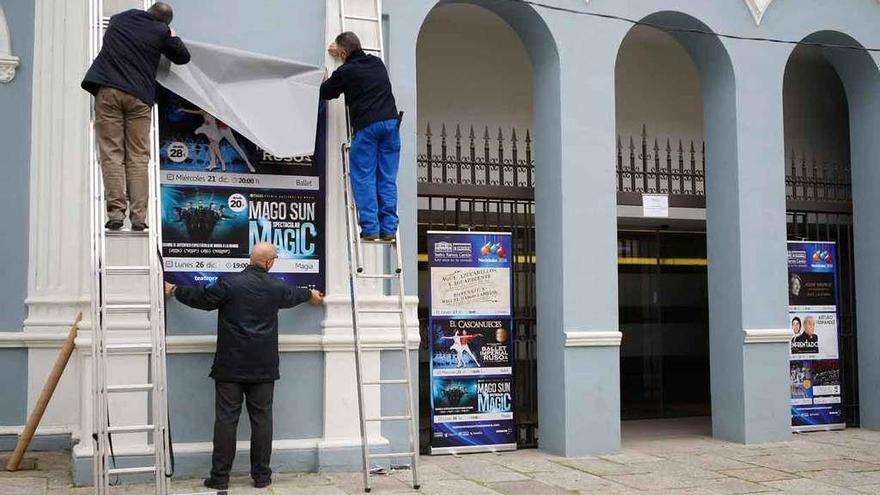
(369, 237)
(139, 227)
(262, 483)
(113, 225)
(388, 237)
(216, 484)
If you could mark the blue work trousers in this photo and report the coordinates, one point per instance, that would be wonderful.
(374, 160)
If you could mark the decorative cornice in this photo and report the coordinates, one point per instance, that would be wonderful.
(198, 344)
(766, 335)
(8, 64)
(593, 339)
(758, 8)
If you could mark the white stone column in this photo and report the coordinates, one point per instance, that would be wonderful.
(58, 257)
(59, 261)
(341, 421)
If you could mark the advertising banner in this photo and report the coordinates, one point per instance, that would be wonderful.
(221, 194)
(471, 342)
(814, 358)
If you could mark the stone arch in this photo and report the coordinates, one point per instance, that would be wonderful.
(860, 75)
(718, 85)
(541, 47)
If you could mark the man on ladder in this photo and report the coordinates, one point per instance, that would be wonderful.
(375, 150)
(123, 80)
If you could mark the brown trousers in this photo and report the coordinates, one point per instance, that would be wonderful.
(122, 127)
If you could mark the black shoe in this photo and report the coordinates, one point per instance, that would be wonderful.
(388, 237)
(369, 237)
(139, 227)
(215, 484)
(113, 225)
(262, 483)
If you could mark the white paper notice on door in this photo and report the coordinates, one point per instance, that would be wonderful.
(655, 205)
(461, 291)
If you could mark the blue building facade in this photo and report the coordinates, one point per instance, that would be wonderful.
(576, 200)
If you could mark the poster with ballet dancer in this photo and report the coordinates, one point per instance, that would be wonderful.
(471, 347)
(471, 342)
(221, 194)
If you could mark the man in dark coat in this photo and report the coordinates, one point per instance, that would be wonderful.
(123, 80)
(246, 361)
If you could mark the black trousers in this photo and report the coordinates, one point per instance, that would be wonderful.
(227, 409)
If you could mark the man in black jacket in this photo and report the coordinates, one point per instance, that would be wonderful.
(375, 150)
(123, 80)
(246, 360)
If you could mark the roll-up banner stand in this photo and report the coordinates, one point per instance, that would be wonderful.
(471, 342)
(814, 318)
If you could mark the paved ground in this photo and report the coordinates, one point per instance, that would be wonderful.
(667, 457)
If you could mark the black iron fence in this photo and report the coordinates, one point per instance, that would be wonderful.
(499, 164)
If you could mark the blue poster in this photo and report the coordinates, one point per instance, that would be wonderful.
(221, 194)
(814, 356)
(471, 342)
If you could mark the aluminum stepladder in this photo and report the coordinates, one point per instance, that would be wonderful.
(372, 23)
(108, 339)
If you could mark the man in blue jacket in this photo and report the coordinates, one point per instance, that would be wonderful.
(246, 361)
(123, 80)
(375, 150)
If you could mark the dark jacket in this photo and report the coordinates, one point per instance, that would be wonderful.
(133, 45)
(247, 325)
(364, 80)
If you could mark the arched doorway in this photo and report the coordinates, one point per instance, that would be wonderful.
(831, 113)
(707, 182)
(475, 163)
(662, 269)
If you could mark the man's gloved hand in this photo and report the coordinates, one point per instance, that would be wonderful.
(169, 289)
(316, 297)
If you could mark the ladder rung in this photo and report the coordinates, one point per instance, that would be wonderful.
(370, 49)
(130, 347)
(391, 454)
(380, 311)
(126, 307)
(126, 233)
(397, 347)
(377, 242)
(128, 270)
(385, 276)
(361, 18)
(132, 470)
(388, 418)
(387, 382)
(135, 387)
(130, 429)
(199, 493)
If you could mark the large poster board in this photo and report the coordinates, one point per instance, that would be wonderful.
(814, 357)
(471, 342)
(221, 194)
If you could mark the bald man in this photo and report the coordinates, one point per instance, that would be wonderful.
(246, 361)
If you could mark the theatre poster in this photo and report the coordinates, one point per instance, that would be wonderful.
(221, 194)
(471, 342)
(814, 348)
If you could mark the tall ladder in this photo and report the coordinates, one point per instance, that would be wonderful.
(112, 339)
(368, 26)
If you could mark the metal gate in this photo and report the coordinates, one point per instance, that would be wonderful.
(819, 204)
(491, 190)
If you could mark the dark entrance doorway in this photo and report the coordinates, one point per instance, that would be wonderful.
(664, 317)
